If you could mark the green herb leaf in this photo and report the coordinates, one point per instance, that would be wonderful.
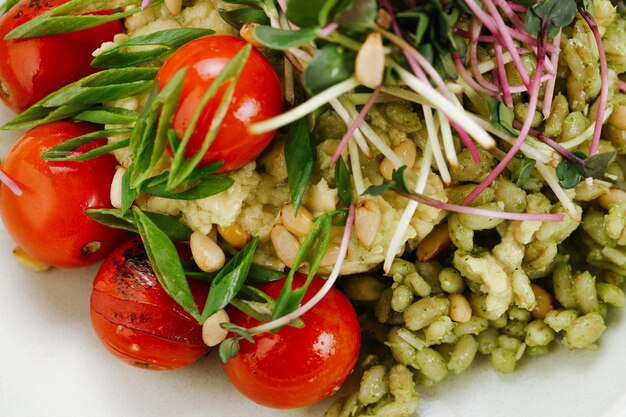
(520, 170)
(63, 151)
(6, 5)
(312, 252)
(254, 3)
(133, 52)
(376, 190)
(238, 330)
(229, 280)
(359, 16)
(587, 6)
(284, 39)
(259, 273)
(300, 157)
(399, 177)
(551, 15)
(128, 194)
(261, 311)
(72, 16)
(501, 116)
(182, 168)
(569, 173)
(597, 165)
(229, 348)
(330, 66)
(304, 13)
(344, 182)
(206, 187)
(166, 263)
(239, 17)
(103, 115)
(103, 86)
(174, 229)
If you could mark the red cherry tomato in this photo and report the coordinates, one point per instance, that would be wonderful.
(298, 367)
(33, 68)
(257, 96)
(48, 220)
(136, 320)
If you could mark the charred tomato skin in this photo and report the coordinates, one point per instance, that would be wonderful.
(33, 68)
(135, 318)
(257, 96)
(48, 220)
(296, 367)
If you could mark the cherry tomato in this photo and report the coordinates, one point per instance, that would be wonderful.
(134, 317)
(296, 367)
(48, 220)
(33, 68)
(257, 96)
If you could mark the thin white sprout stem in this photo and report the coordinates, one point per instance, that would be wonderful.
(433, 139)
(288, 318)
(355, 164)
(409, 210)
(550, 177)
(448, 141)
(357, 135)
(305, 108)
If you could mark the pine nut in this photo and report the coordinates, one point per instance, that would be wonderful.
(544, 302)
(434, 243)
(116, 188)
(208, 256)
(300, 224)
(28, 262)
(618, 118)
(212, 333)
(331, 255)
(615, 196)
(174, 6)
(460, 310)
(367, 218)
(285, 244)
(406, 151)
(247, 33)
(369, 66)
(234, 235)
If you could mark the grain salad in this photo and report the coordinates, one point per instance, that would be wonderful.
(454, 168)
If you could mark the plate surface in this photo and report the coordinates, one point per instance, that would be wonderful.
(51, 364)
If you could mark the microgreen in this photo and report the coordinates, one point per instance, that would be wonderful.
(64, 150)
(239, 17)
(282, 39)
(330, 66)
(520, 170)
(73, 16)
(550, 15)
(133, 52)
(344, 182)
(300, 157)
(229, 348)
(571, 172)
(359, 16)
(502, 116)
(169, 225)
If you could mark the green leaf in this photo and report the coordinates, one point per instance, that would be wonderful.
(254, 3)
(502, 116)
(166, 263)
(551, 15)
(238, 330)
(64, 150)
(206, 187)
(587, 6)
(359, 16)
(344, 182)
(520, 170)
(181, 168)
(597, 165)
(304, 13)
(103, 115)
(103, 86)
(229, 280)
(128, 194)
(73, 16)
(300, 157)
(229, 348)
(399, 177)
(257, 310)
(311, 251)
(6, 5)
(330, 66)
(570, 173)
(239, 17)
(376, 190)
(259, 273)
(174, 229)
(284, 39)
(161, 44)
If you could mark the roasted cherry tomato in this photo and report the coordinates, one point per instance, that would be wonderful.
(48, 219)
(296, 367)
(136, 320)
(257, 96)
(33, 68)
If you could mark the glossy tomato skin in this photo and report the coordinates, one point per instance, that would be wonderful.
(257, 96)
(48, 220)
(298, 367)
(136, 320)
(33, 68)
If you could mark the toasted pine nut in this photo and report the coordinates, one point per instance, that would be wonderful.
(460, 310)
(116, 188)
(212, 333)
(234, 235)
(434, 243)
(174, 6)
(383, 19)
(285, 244)
(406, 151)
(615, 196)
(618, 118)
(367, 218)
(331, 255)
(28, 261)
(369, 66)
(299, 224)
(247, 33)
(208, 256)
(544, 302)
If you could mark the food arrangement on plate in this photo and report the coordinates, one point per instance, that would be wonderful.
(322, 188)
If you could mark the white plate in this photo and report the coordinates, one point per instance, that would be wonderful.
(51, 364)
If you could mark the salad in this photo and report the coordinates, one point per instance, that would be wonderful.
(319, 189)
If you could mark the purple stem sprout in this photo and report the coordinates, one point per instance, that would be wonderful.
(501, 71)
